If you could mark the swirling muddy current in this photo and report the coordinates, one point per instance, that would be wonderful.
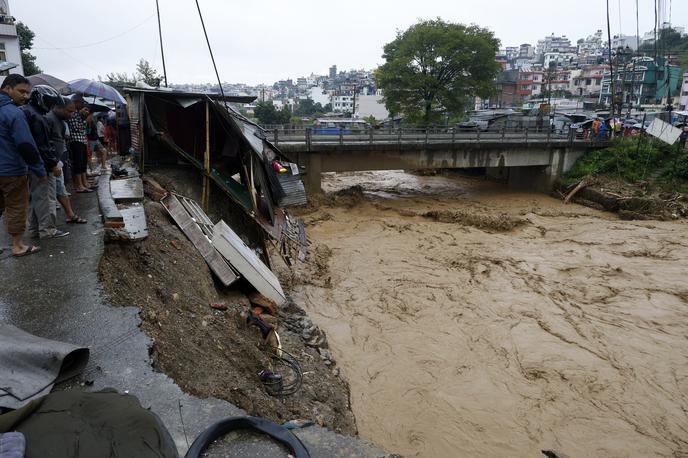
(564, 329)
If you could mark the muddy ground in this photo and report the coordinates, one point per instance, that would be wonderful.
(211, 352)
(474, 321)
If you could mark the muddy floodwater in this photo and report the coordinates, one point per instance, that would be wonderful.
(473, 321)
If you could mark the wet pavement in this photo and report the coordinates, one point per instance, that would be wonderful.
(56, 294)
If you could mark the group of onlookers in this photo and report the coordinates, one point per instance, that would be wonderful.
(44, 140)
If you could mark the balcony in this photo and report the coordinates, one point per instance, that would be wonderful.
(8, 30)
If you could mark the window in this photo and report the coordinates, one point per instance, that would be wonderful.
(3, 55)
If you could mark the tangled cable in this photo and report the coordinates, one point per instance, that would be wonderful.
(275, 382)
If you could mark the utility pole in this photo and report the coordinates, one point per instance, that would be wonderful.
(353, 110)
(612, 86)
(162, 50)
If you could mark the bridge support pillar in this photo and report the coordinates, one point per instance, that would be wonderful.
(542, 178)
(312, 180)
(497, 173)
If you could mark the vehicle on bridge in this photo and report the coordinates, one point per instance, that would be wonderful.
(336, 126)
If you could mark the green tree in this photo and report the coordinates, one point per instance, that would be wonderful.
(119, 79)
(146, 73)
(434, 68)
(26, 36)
(266, 113)
(307, 108)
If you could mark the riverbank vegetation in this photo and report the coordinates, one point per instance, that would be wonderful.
(648, 163)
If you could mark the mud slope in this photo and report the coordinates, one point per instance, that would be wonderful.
(566, 330)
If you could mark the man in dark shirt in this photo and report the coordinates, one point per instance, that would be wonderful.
(43, 201)
(77, 144)
(18, 156)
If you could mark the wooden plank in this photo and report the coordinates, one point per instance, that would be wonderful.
(129, 190)
(247, 263)
(194, 233)
(135, 225)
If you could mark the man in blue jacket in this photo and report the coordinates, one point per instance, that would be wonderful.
(18, 155)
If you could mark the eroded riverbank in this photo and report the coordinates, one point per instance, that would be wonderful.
(566, 330)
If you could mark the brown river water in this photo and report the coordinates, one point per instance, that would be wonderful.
(462, 337)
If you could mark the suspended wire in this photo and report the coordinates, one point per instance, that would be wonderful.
(71, 57)
(89, 45)
(222, 91)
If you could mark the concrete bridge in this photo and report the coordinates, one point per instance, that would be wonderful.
(528, 160)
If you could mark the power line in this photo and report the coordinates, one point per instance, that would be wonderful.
(222, 91)
(88, 45)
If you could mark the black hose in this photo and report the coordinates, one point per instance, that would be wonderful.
(222, 427)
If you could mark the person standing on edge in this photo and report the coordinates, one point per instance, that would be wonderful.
(57, 131)
(18, 155)
(77, 144)
(42, 209)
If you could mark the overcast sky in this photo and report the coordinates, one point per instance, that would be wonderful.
(262, 41)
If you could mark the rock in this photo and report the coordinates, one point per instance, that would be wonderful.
(325, 354)
(204, 323)
(335, 372)
(175, 296)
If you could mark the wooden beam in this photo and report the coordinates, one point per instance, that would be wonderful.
(205, 199)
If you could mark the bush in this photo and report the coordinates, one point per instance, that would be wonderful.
(630, 159)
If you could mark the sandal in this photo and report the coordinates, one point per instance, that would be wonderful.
(76, 220)
(86, 190)
(28, 251)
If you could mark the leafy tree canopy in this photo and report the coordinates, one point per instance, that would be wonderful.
(146, 73)
(26, 36)
(266, 113)
(434, 68)
(307, 108)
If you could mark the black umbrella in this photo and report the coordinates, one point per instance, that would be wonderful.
(48, 80)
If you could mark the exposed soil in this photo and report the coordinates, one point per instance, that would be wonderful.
(211, 352)
(567, 332)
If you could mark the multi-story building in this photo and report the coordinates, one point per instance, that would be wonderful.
(588, 82)
(10, 53)
(530, 83)
(643, 81)
(559, 59)
(526, 50)
(343, 103)
(592, 45)
(625, 41)
(333, 72)
(683, 99)
(553, 43)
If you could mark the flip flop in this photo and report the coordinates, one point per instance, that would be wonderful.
(76, 220)
(28, 251)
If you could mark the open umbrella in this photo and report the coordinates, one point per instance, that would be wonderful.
(98, 107)
(96, 89)
(48, 80)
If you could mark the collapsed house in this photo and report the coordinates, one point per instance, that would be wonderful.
(202, 132)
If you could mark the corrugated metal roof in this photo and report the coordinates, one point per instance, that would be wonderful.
(186, 95)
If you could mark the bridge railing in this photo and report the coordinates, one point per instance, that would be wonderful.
(388, 136)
